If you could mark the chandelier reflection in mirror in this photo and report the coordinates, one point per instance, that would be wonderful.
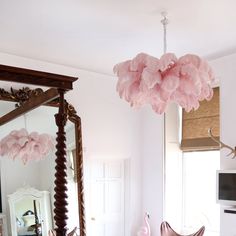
(148, 80)
(25, 146)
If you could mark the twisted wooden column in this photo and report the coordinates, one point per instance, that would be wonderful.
(60, 196)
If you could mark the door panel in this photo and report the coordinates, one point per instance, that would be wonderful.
(106, 198)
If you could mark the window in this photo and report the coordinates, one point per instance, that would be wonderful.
(191, 161)
(199, 191)
(195, 125)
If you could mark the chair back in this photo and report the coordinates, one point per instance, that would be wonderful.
(166, 230)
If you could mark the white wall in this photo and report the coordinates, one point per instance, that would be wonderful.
(152, 167)
(110, 128)
(225, 71)
(173, 167)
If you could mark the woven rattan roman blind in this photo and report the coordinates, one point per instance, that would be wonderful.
(195, 125)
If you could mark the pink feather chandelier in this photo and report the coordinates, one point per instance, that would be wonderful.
(149, 80)
(20, 144)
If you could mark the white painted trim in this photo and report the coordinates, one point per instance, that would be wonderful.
(42, 197)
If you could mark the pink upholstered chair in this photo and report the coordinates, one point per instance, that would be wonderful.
(166, 230)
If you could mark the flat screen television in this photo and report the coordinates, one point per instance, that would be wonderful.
(226, 187)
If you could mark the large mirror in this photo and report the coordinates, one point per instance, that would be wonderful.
(28, 188)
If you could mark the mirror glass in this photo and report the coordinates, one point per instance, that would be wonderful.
(39, 175)
(26, 209)
(72, 187)
(30, 212)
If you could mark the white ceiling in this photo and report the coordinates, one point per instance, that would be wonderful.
(96, 34)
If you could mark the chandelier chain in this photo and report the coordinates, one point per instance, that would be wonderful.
(164, 22)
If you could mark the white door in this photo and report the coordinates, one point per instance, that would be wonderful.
(105, 197)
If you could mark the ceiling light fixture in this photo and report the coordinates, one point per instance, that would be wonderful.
(148, 80)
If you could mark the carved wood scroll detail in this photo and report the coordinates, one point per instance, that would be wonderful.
(19, 96)
(74, 118)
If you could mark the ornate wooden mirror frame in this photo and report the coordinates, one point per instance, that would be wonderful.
(27, 100)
